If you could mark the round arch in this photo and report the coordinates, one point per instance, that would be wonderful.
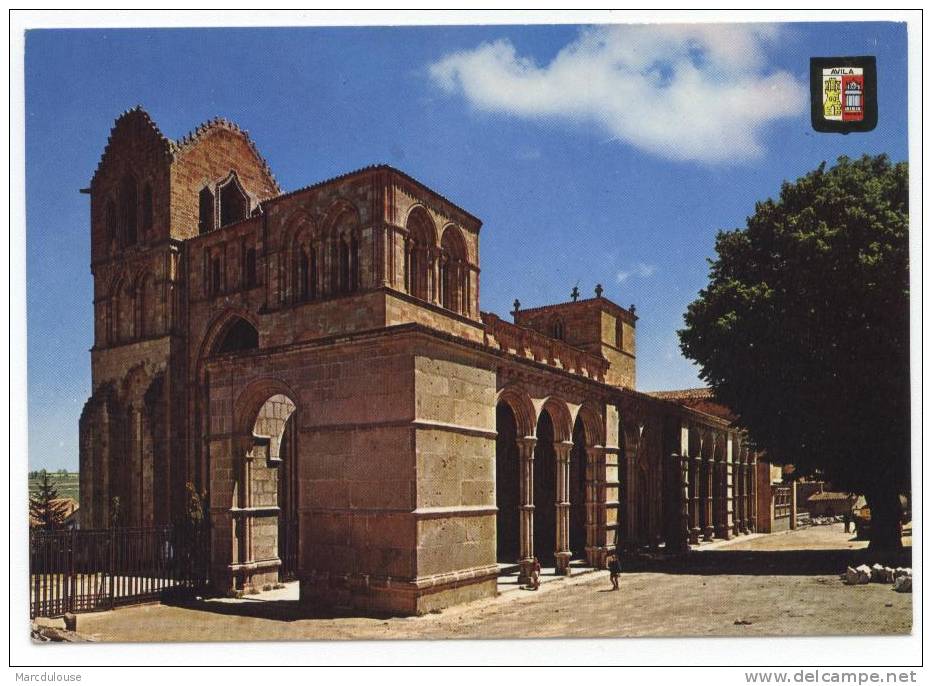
(340, 215)
(452, 241)
(561, 417)
(250, 401)
(521, 406)
(421, 226)
(591, 419)
(218, 329)
(147, 303)
(299, 221)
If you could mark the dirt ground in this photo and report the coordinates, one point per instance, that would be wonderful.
(768, 585)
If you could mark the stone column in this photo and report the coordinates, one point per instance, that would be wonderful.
(610, 500)
(743, 502)
(629, 508)
(718, 504)
(749, 504)
(680, 467)
(695, 530)
(526, 507)
(708, 529)
(563, 554)
(726, 490)
(734, 448)
(793, 521)
(433, 292)
(595, 515)
(739, 492)
(752, 492)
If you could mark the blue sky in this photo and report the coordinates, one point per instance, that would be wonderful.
(585, 165)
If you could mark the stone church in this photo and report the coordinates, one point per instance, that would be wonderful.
(316, 362)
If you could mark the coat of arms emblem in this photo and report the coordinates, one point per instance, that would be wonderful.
(844, 94)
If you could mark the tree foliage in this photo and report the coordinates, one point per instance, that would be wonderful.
(46, 511)
(803, 329)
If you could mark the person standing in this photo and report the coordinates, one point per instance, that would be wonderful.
(534, 583)
(614, 569)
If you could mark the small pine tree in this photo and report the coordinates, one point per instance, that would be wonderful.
(44, 512)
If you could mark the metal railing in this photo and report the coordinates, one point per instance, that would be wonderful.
(98, 569)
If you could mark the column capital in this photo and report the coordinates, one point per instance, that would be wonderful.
(526, 446)
(562, 449)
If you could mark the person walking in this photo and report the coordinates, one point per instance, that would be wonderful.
(614, 569)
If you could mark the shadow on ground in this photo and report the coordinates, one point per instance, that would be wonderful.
(768, 562)
(279, 610)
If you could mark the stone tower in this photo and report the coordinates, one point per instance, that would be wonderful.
(148, 195)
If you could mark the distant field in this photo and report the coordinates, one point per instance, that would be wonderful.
(65, 484)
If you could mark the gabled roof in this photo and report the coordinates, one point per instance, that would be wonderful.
(134, 114)
(172, 148)
(200, 132)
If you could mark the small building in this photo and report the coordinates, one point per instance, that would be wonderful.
(830, 503)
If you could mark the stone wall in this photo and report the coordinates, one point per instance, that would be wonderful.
(205, 158)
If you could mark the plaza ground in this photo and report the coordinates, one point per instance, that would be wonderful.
(766, 585)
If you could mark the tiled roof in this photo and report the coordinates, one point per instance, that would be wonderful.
(702, 399)
(684, 394)
(831, 495)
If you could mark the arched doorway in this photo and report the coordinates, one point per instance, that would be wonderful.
(263, 486)
(507, 485)
(577, 491)
(545, 491)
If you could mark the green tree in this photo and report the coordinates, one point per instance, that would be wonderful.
(45, 511)
(804, 330)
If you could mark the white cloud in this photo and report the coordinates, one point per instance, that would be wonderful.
(699, 92)
(641, 270)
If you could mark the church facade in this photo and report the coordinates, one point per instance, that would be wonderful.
(316, 364)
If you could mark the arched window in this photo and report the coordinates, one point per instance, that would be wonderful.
(148, 307)
(312, 274)
(420, 250)
(557, 330)
(216, 275)
(110, 222)
(344, 266)
(124, 313)
(128, 209)
(343, 235)
(147, 208)
(249, 268)
(304, 269)
(234, 203)
(453, 271)
(354, 263)
(239, 336)
(334, 265)
(205, 211)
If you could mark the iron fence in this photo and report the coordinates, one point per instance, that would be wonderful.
(98, 569)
